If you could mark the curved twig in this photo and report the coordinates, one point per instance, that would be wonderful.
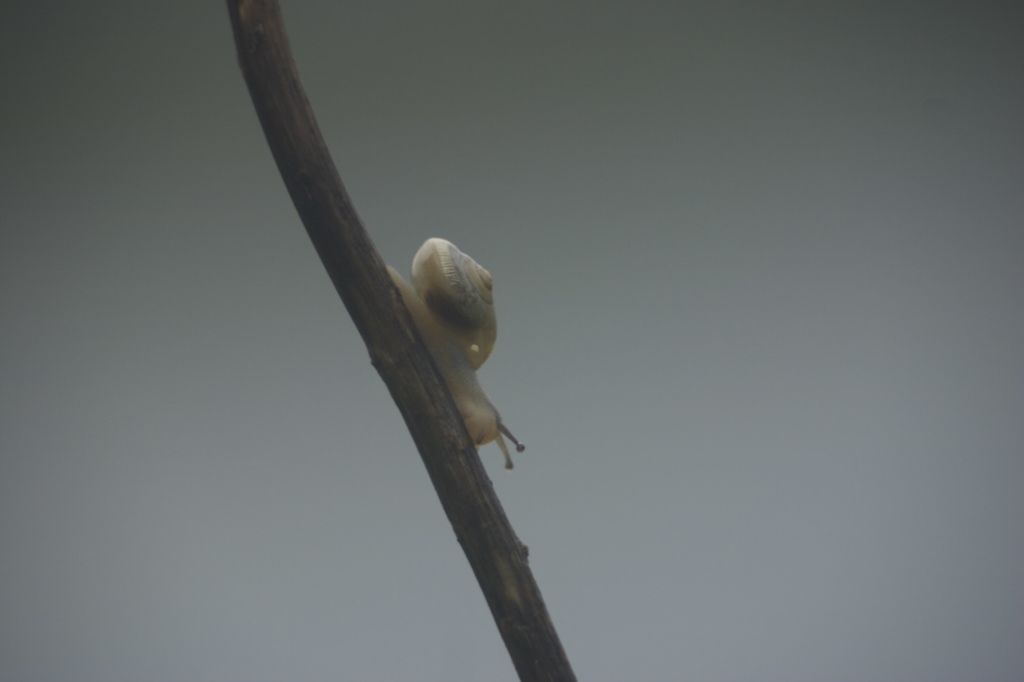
(494, 552)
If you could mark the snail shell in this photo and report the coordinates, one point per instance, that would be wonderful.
(452, 304)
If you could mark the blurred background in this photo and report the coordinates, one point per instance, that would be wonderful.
(759, 272)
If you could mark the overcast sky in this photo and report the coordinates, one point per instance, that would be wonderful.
(759, 271)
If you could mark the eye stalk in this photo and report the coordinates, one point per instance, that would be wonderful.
(501, 444)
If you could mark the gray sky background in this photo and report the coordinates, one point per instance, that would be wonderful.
(759, 271)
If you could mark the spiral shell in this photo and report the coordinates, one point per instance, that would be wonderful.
(460, 294)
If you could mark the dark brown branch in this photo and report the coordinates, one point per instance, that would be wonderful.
(495, 554)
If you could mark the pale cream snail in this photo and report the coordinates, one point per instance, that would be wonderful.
(453, 307)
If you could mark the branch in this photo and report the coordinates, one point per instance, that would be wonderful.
(494, 552)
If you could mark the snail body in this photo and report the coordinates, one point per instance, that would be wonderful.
(452, 305)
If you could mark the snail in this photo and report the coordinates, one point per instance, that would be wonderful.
(452, 305)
